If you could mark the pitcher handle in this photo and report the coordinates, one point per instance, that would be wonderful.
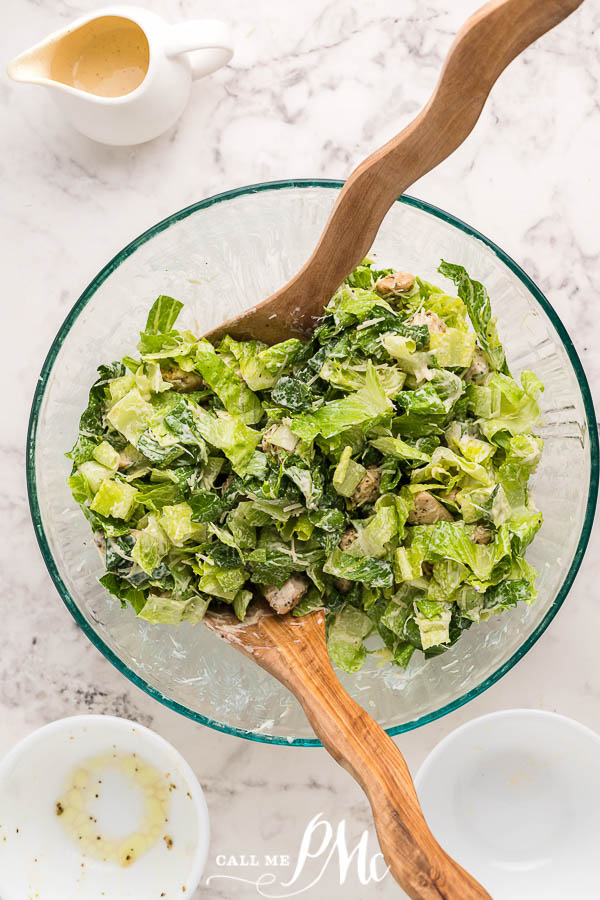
(201, 34)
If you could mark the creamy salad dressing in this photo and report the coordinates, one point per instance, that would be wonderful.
(108, 57)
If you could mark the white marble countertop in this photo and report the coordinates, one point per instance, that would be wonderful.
(312, 89)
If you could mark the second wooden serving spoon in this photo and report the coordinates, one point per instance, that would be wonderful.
(485, 45)
(294, 650)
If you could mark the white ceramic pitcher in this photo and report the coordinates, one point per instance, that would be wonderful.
(122, 75)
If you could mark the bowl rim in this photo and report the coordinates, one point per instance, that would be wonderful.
(85, 298)
(474, 726)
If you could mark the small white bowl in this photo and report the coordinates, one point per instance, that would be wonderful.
(97, 806)
(514, 797)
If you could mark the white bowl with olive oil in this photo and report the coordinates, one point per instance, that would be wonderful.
(97, 806)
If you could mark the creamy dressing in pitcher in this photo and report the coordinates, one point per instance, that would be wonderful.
(98, 70)
(107, 57)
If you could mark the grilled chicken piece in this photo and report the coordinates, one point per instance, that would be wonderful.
(367, 489)
(428, 510)
(226, 484)
(344, 585)
(289, 595)
(451, 495)
(478, 369)
(435, 324)
(183, 382)
(397, 283)
(481, 535)
(265, 444)
(348, 537)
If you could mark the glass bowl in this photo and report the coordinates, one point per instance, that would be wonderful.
(220, 256)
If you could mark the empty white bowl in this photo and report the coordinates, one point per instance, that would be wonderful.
(97, 806)
(514, 797)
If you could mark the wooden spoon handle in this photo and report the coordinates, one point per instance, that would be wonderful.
(416, 860)
(485, 45)
(357, 743)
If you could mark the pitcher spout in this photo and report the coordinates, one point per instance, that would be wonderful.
(34, 65)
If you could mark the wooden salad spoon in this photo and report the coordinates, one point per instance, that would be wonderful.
(485, 45)
(295, 652)
(294, 649)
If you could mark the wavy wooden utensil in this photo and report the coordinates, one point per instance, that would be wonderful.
(485, 45)
(294, 650)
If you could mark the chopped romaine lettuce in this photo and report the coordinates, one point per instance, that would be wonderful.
(365, 405)
(211, 475)
(151, 545)
(345, 638)
(114, 498)
(234, 394)
(130, 415)
(476, 299)
(347, 474)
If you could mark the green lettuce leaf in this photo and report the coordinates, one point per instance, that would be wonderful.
(345, 639)
(151, 545)
(374, 572)
(449, 468)
(231, 435)
(131, 416)
(453, 347)
(94, 474)
(399, 449)
(506, 595)
(241, 602)
(433, 621)
(123, 591)
(179, 524)
(220, 581)
(362, 406)
(477, 302)
(375, 536)
(114, 499)
(292, 394)
(347, 474)
(408, 359)
(513, 409)
(451, 309)
(236, 397)
(163, 315)
(260, 365)
(452, 541)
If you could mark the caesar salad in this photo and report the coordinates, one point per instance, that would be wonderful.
(378, 470)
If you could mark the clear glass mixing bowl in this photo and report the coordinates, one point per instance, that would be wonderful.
(220, 256)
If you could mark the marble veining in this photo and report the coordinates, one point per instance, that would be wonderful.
(313, 87)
